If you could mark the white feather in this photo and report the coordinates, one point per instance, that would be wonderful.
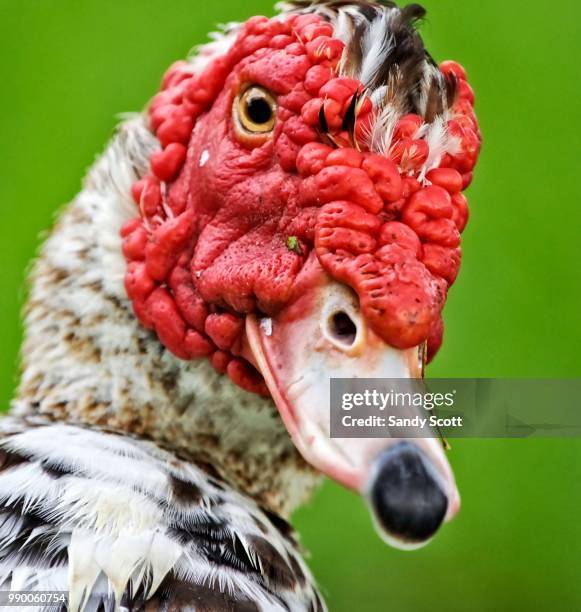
(377, 44)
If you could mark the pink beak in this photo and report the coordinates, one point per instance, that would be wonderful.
(320, 336)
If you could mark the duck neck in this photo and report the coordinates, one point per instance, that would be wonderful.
(87, 360)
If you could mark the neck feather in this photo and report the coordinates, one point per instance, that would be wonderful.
(87, 360)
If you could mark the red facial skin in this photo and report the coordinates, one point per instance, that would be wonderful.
(210, 242)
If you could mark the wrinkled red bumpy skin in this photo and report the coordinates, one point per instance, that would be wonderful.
(210, 239)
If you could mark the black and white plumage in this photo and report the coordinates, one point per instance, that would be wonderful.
(113, 518)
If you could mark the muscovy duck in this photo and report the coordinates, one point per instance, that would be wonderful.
(287, 210)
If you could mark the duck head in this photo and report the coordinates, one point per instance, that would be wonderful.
(301, 222)
(295, 216)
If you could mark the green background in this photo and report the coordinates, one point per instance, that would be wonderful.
(68, 67)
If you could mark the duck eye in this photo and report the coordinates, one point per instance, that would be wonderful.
(255, 110)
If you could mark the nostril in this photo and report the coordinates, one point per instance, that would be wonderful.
(342, 328)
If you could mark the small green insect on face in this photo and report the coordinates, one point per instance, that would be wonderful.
(293, 244)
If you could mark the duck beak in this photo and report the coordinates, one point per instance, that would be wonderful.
(320, 336)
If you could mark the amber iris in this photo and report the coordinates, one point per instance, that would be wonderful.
(255, 109)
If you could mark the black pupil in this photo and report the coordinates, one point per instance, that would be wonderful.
(258, 110)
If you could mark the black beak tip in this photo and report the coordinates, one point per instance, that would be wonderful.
(406, 496)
